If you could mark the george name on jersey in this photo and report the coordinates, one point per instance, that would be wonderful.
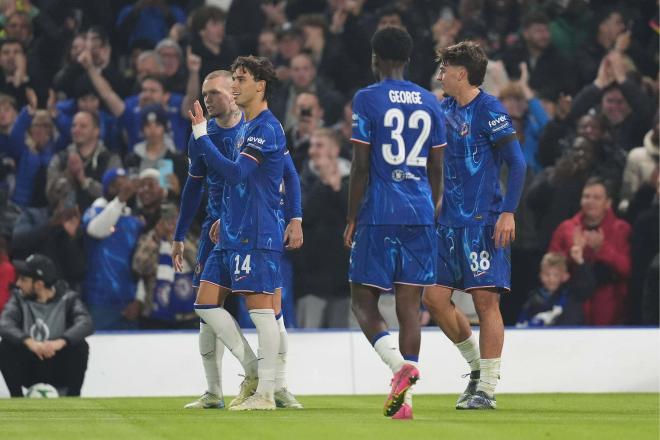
(405, 97)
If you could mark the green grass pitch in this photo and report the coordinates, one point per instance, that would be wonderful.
(519, 416)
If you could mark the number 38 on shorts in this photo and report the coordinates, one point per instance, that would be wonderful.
(468, 259)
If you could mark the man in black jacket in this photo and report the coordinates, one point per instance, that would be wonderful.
(43, 329)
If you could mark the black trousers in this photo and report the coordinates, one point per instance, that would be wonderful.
(65, 371)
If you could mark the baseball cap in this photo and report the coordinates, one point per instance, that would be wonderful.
(154, 113)
(110, 176)
(38, 267)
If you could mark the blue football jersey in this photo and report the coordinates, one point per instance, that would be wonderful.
(111, 281)
(252, 218)
(225, 140)
(401, 122)
(472, 194)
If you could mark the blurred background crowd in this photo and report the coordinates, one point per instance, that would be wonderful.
(94, 98)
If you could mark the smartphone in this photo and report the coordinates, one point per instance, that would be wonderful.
(166, 167)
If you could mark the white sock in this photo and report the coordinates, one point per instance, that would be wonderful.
(211, 351)
(280, 372)
(269, 340)
(490, 374)
(470, 351)
(388, 351)
(226, 328)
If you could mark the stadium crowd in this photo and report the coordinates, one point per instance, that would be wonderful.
(94, 98)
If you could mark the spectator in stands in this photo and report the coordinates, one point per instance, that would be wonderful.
(527, 114)
(15, 73)
(642, 162)
(7, 272)
(148, 21)
(617, 94)
(422, 60)
(643, 214)
(289, 44)
(267, 44)
(328, 54)
(321, 265)
(84, 161)
(148, 63)
(97, 53)
(208, 40)
(604, 240)
(304, 79)
(43, 329)
(64, 74)
(32, 143)
(8, 114)
(549, 71)
(557, 301)
(168, 295)
(609, 33)
(112, 233)
(153, 91)
(84, 98)
(309, 118)
(173, 65)
(158, 151)
(150, 196)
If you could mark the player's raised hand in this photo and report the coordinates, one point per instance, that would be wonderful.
(213, 232)
(196, 114)
(505, 230)
(293, 234)
(177, 255)
(348, 234)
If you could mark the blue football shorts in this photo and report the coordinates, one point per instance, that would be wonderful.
(468, 259)
(244, 271)
(383, 255)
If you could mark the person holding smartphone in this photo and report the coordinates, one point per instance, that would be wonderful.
(158, 151)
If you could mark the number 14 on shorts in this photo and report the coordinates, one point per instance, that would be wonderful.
(480, 261)
(242, 267)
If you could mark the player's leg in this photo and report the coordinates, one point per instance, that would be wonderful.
(487, 273)
(437, 300)
(210, 298)
(407, 312)
(283, 397)
(491, 340)
(257, 276)
(260, 307)
(455, 325)
(211, 349)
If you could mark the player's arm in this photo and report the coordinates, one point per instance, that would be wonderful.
(190, 199)
(357, 186)
(293, 235)
(435, 163)
(434, 171)
(505, 228)
(233, 172)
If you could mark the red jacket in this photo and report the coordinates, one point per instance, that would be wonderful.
(607, 306)
(7, 277)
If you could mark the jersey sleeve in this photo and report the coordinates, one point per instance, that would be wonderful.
(196, 166)
(497, 124)
(261, 142)
(361, 124)
(438, 128)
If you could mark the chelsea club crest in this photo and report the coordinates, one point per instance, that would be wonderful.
(465, 128)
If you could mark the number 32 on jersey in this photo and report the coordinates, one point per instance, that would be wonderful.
(395, 119)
